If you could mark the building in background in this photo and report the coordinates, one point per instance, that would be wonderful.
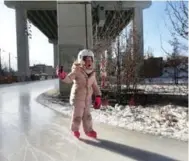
(42, 69)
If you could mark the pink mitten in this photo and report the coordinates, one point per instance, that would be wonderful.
(60, 73)
(97, 102)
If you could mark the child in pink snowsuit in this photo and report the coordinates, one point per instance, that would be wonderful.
(84, 85)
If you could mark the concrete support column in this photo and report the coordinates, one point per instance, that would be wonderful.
(56, 56)
(22, 44)
(75, 23)
(138, 28)
(74, 33)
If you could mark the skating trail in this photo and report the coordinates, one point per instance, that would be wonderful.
(31, 132)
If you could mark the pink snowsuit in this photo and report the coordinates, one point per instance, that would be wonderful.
(81, 96)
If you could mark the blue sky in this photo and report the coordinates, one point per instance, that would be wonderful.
(154, 19)
(42, 52)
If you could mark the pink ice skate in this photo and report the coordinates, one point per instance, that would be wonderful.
(76, 134)
(92, 134)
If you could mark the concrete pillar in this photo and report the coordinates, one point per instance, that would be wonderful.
(56, 56)
(138, 27)
(55, 53)
(22, 44)
(138, 41)
(74, 33)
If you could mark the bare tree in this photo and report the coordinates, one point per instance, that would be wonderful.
(177, 62)
(124, 61)
(132, 62)
(149, 53)
(28, 29)
(177, 12)
(174, 57)
(123, 46)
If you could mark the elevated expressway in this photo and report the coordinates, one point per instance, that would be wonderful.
(71, 26)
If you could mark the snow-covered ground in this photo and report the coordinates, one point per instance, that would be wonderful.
(165, 89)
(165, 80)
(161, 89)
(169, 120)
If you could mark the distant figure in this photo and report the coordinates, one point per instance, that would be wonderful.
(84, 85)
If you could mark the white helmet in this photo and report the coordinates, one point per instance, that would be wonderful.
(84, 52)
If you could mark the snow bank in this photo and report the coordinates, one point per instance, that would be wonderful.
(170, 121)
(165, 89)
(167, 121)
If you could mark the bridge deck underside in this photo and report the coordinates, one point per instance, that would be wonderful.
(46, 22)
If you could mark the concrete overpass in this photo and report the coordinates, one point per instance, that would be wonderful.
(71, 26)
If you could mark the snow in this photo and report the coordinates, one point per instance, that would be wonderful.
(169, 120)
(165, 80)
(161, 88)
(165, 89)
